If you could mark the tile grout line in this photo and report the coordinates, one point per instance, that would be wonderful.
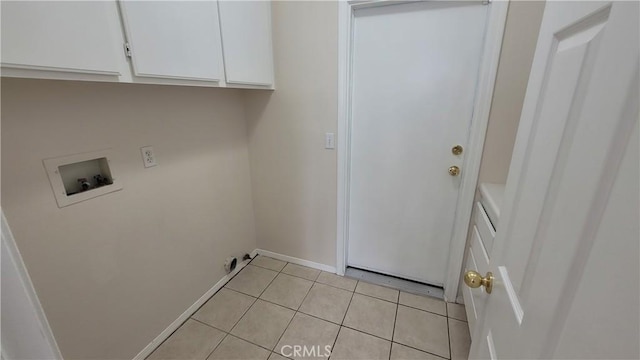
(373, 297)
(392, 341)
(226, 334)
(348, 306)
(285, 330)
(285, 263)
(449, 336)
(269, 284)
(249, 341)
(249, 308)
(209, 325)
(252, 343)
(198, 309)
(216, 347)
(240, 318)
(295, 311)
(334, 342)
(395, 320)
(420, 350)
(319, 318)
(427, 311)
(315, 317)
(340, 326)
(364, 332)
(302, 277)
(265, 289)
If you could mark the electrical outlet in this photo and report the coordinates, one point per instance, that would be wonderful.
(148, 157)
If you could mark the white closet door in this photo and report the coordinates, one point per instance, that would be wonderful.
(72, 36)
(174, 39)
(246, 38)
(565, 258)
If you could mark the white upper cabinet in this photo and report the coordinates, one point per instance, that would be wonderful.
(197, 43)
(79, 37)
(174, 39)
(246, 37)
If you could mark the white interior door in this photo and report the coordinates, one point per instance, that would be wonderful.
(414, 76)
(565, 257)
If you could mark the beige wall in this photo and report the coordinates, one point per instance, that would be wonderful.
(293, 176)
(114, 271)
(518, 46)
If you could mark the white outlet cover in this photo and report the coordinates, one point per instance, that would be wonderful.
(148, 156)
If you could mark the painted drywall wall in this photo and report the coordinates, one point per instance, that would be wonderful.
(518, 46)
(293, 176)
(114, 271)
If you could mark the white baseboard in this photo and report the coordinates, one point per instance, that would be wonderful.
(187, 314)
(294, 260)
(254, 253)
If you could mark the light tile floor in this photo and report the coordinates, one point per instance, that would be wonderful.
(272, 306)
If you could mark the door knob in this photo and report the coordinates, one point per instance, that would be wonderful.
(456, 150)
(454, 170)
(475, 280)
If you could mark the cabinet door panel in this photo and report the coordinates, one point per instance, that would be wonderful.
(74, 36)
(246, 39)
(174, 39)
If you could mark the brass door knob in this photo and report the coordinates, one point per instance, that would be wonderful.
(457, 150)
(475, 280)
(454, 170)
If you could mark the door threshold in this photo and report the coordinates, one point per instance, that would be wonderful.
(409, 286)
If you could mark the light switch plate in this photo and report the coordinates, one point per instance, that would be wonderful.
(148, 157)
(329, 141)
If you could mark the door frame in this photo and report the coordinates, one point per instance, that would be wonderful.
(26, 304)
(471, 165)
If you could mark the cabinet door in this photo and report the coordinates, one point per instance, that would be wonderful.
(73, 36)
(246, 37)
(174, 39)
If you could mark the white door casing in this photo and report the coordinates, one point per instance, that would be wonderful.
(470, 165)
(25, 330)
(565, 257)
